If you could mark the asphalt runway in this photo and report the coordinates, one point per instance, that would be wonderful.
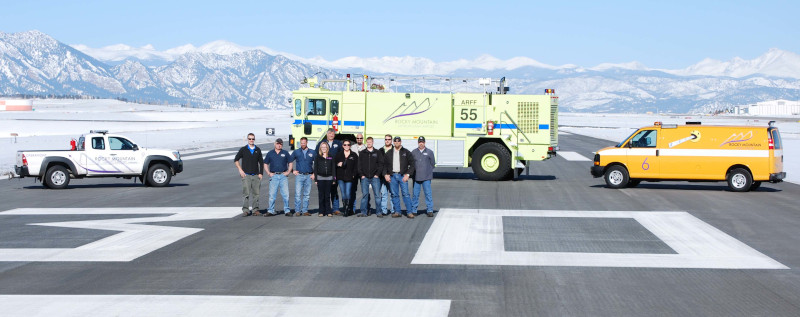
(552, 243)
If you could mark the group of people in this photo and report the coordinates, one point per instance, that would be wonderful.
(337, 167)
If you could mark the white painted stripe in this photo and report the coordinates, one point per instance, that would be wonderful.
(572, 156)
(475, 237)
(192, 157)
(203, 305)
(717, 153)
(223, 158)
(686, 152)
(133, 240)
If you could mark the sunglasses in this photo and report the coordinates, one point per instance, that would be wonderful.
(359, 138)
(250, 138)
(387, 139)
(346, 144)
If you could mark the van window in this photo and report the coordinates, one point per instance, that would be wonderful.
(625, 139)
(645, 138)
(298, 107)
(776, 138)
(316, 107)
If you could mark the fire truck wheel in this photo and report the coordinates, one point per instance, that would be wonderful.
(740, 180)
(616, 177)
(57, 177)
(491, 162)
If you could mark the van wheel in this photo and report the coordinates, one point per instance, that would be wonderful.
(491, 162)
(57, 177)
(616, 177)
(633, 183)
(740, 180)
(158, 175)
(755, 186)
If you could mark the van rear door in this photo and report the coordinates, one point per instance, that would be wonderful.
(775, 150)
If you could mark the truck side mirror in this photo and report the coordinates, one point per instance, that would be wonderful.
(135, 147)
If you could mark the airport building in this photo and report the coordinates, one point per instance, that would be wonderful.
(779, 107)
(16, 105)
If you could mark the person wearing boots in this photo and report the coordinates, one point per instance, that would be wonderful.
(370, 165)
(323, 177)
(346, 171)
(398, 167)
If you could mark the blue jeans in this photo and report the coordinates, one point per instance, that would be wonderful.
(385, 203)
(426, 187)
(376, 187)
(279, 181)
(399, 186)
(302, 191)
(346, 188)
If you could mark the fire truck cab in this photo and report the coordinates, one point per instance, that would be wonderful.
(497, 134)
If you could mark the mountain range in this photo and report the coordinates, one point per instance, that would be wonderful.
(224, 74)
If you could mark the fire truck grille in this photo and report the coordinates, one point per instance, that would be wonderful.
(528, 113)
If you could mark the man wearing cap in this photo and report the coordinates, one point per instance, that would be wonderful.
(303, 160)
(334, 147)
(277, 165)
(399, 166)
(423, 165)
(251, 170)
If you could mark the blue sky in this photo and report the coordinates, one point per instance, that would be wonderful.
(660, 34)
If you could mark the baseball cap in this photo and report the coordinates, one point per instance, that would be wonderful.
(421, 139)
(397, 138)
(279, 141)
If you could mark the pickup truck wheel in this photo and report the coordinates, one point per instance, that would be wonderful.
(616, 177)
(491, 162)
(740, 180)
(57, 177)
(158, 175)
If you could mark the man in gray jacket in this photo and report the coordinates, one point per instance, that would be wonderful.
(423, 164)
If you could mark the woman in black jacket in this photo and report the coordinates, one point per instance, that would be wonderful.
(346, 173)
(323, 177)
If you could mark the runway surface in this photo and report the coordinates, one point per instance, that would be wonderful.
(552, 243)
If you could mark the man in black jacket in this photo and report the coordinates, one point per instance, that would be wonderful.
(370, 167)
(251, 170)
(398, 167)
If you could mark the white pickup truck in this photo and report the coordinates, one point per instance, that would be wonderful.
(99, 154)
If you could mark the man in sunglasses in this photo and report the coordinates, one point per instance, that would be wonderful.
(251, 170)
(399, 166)
(386, 205)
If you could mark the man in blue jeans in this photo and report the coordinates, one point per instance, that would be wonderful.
(303, 160)
(398, 167)
(386, 207)
(423, 165)
(370, 167)
(277, 165)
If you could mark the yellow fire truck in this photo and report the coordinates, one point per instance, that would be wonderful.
(496, 134)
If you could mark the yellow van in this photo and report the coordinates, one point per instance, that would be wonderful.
(744, 156)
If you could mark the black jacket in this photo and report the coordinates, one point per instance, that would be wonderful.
(370, 164)
(406, 162)
(251, 163)
(323, 166)
(348, 172)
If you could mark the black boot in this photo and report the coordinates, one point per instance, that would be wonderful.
(346, 207)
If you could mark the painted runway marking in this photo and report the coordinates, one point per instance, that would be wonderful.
(572, 156)
(223, 158)
(133, 240)
(202, 305)
(192, 157)
(475, 237)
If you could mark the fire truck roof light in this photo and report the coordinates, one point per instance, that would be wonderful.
(657, 123)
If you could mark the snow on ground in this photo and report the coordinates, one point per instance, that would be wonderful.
(53, 123)
(616, 127)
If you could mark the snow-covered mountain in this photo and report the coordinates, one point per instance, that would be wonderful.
(34, 63)
(222, 73)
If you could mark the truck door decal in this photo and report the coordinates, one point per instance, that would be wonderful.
(409, 109)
